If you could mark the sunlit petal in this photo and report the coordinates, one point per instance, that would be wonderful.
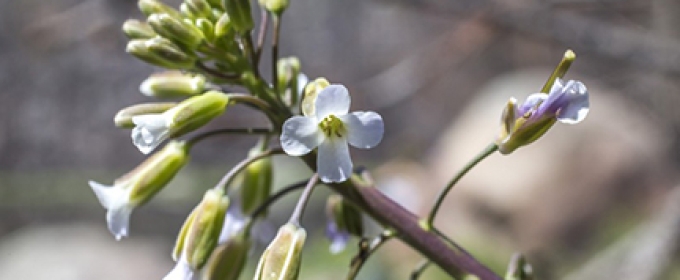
(365, 129)
(300, 135)
(333, 161)
(332, 100)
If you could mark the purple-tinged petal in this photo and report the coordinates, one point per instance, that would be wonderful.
(337, 237)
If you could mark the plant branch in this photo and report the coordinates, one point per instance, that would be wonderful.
(245, 130)
(227, 178)
(275, 56)
(264, 22)
(452, 259)
(366, 250)
(302, 202)
(490, 149)
(420, 268)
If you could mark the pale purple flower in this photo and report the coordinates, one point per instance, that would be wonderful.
(330, 129)
(568, 103)
(338, 237)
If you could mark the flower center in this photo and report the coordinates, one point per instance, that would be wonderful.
(332, 126)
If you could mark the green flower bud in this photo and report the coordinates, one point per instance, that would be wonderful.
(289, 69)
(171, 84)
(201, 230)
(139, 185)
(239, 13)
(176, 30)
(227, 260)
(257, 182)
(160, 52)
(135, 29)
(275, 6)
(123, 118)
(281, 260)
(207, 28)
(224, 27)
(216, 4)
(199, 8)
(187, 116)
(345, 215)
(311, 91)
(149, 7)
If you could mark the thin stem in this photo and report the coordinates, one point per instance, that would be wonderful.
(270, 200)
(440, 198)
(420, 268)
(365, 251)
(226, 76)
(264, 23)
(227, 178)
(250, 53)
(302, 202)
(245, 130)
(560, 70)
(250, 100)
(275, 56)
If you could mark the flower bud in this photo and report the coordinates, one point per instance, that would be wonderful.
(523, 124)
(139, 186)
(239, 14)
(198, 8)
(176, 30)
(289, 69)
(224, 27)
(187, 116)
(310, 93)
(160, 52)
(123, 118)
(149, 7)
(281, 260)
(344, 219)
(227, 260)
(135, 29)
(172, 84)
(207, 28)
(275, 6)
(201, 230)
(257, 183)
(519, 269)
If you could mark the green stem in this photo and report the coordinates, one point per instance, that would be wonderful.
(365, 251)
(264, 19)
(440, 198)
(276, 20)
(227, 178)
(560, 70)
(302, 202)
(250, 100)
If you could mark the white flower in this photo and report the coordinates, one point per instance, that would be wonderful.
(116, 199)
(331, 128)
(151, 130)
(182, 271)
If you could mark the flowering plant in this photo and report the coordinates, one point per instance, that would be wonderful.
(208, 44)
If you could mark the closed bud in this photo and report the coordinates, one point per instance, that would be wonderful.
(207, 28)
(519, 269)
(135, 29)
(176, 30)
(257, 182)
(123, 118)
(149, 7)
(227, 260)
(139, 186)
(289, 69)
(200, 8)
(224, 28)
(160, 52)
(171, 84)
(275, 6)
(187, 116)
(311, 91)
(239, 14)
(281, 260)
(201, 230)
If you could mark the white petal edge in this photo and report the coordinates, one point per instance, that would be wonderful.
(300, 135)
(332, 100)
(118, 219)
(181, 271)
(149, 132)
(115, 199)
(333, 163)
(233, 223)
(365, 129)
(578, 107)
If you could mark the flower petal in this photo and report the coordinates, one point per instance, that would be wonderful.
(149, 132)
(300, 135)
(333, 161)
(332, 100)
(578, 104)
(115, 199)
(233, 223)
(365, 129)
(181, 271)
(118, 220)
(531, 102)
(337, 237)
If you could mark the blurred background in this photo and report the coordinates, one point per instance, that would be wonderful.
(593, 201)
